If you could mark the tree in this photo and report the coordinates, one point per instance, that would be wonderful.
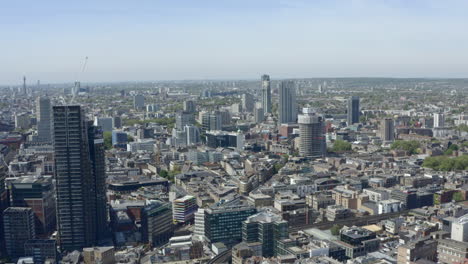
(457, 197)
(341, 146)
(444, 163)
(410, 146)
(107, 139)
(335, 229)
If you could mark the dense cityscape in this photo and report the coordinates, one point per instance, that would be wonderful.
(314, 170)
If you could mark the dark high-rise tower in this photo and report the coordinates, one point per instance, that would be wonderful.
(287, 108)
(44, 122)
(353, 110)
(312, 135)
(97, 151)
(266, 94)
(76, 183)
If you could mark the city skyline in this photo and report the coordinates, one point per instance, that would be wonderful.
(231, 40)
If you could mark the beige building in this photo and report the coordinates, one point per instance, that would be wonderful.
(104, 255)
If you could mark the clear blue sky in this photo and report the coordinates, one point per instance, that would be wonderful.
(216, 39)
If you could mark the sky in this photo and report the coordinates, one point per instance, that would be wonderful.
(146, 40)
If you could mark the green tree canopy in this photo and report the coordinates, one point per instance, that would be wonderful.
(341, 146)
(410, 146)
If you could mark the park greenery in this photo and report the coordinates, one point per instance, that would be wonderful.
(446, 163)
(410, 146)
(341, 146)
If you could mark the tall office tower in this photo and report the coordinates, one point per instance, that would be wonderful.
(37, 194)
(98, 168)
(4, 202)
(312, 136)
(156, 223)
(19, 228)
(439, 120)
(189, 106)
(267, 228)
(247, 102)
(211, 121)
(353, 110)
(223, 221)
(266, 94)
(388, 130)
(139, 102)
(74, 179)
(193, 135)
(259, 115)
(25, 89)
(183, 209)
(184, 119)
(287, 107)
(41, 250)
(44, 119)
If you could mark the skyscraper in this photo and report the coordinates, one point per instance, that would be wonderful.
(353, 110)
(19, 228)
(312, 137)
(259, 115)
(266, 94)
(189, 106)
(439, 120)
(247, 102)
(388, 130)
(98, 167)
(77, 178)
(138, 101)
(287, 108)
(44, 119)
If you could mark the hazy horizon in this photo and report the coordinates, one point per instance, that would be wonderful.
(226, 40)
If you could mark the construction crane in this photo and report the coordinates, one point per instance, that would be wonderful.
(76, 88)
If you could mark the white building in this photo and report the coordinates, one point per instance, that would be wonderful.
(439, 120)
(389, 206)
(460, 229)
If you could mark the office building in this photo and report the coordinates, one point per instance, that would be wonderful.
(266, 94)
(184, 119)
(101, 255)
(4, 200)
(44, 119)
(138, 102)
(41, 250)
(215, 139)
(287, 107)
(37, 194)
(117, 122)
(106, 123)
(189, 106)
(358, 241)
(119, 138)
(22, 121)
(451, 251)
(156, 223)
(223, 221)
(421, 249)
(353, 110)
(259, 115)
(247, 102)
(312, 135)
(79, 176)
(19, 228)
(98, 169)
(266, 228)
(183, 209)
(459, 230)
(193, 135)
(199, 231)
(439, 120)
(211, 121)
(388, 130)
